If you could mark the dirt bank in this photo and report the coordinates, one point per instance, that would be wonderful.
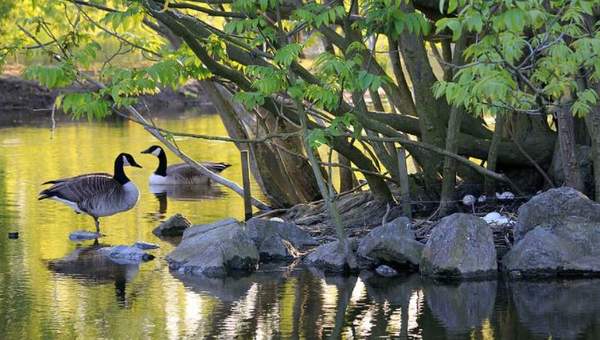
(23, 101)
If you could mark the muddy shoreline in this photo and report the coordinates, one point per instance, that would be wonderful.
(26, 102)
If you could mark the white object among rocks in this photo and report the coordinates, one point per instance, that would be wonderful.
(496, 218)
(482, 199)
(505, 196)
(276, 219)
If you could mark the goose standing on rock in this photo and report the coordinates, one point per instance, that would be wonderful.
(97, 194)
(179, 173)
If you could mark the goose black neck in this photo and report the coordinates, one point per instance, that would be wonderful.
(161, 170)
(119, 174)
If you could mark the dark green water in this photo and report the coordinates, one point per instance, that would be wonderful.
(102, 300)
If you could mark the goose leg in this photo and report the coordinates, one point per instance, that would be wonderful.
(97, 225)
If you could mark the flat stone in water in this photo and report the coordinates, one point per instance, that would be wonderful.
(82, 235)
(386, 271)
(125, 254)
(145, 245)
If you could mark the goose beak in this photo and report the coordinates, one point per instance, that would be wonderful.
(135, 165)
(146, 151)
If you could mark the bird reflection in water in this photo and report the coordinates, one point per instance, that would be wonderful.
(88, 266)
(198, 192)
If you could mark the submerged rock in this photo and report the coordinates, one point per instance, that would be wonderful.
(330, 258)
(393, 244)
(214, 250)
(174, 226)
(145, 245)
(460, 246)
(553, 206)
(88, 263)
(83, 235)
(386, 271)
(568, 247)
(125, 254)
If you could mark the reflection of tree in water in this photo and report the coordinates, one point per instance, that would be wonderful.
(302, 304)
(182, 193)
(87, 266)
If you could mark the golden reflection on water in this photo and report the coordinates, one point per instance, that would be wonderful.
(39, 299)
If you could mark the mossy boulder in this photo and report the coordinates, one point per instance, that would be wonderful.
(553, 206)
(215, 250)
(393, 244)
(567, 247)
(460, 246)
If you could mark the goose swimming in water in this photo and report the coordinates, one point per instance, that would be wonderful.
(97, 194)
(179, 173)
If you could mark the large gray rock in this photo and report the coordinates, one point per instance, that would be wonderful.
(174, 226)
(278, 240)
(214, 250)
(275, 248)
(260, 229)
(329, 258)
(568, 247)
(460, 246)
(553, 206)
(393, 244)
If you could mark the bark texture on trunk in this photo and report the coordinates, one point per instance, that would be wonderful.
(284, 178)
(566, 141)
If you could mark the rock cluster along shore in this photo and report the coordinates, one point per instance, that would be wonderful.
(557, 233)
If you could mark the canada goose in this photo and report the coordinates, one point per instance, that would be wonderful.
(179, 173)
(97, 194)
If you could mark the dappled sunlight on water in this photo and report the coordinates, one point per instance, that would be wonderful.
(53, 288)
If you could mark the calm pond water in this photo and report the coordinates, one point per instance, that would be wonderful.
(96, 299)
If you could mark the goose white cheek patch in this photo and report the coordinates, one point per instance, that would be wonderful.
(125, 161)
(156, 152)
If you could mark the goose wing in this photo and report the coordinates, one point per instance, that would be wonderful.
(60, 180)
(186, 171)
(81, 189)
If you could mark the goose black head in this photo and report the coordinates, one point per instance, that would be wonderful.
(154, 150)
(128, 160)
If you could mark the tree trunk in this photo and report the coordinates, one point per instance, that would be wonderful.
(285, 179)
(456, 116)
(566, 140)
(347, 178)
(592, 120)
(492, 159)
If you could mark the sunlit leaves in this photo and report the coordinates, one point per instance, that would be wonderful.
(90, 105)
(317, 15)
(391, 18)
(585, 100)
(250, 100)
(125, 20)
(52, 76)
(287, 54)
(527, 56)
